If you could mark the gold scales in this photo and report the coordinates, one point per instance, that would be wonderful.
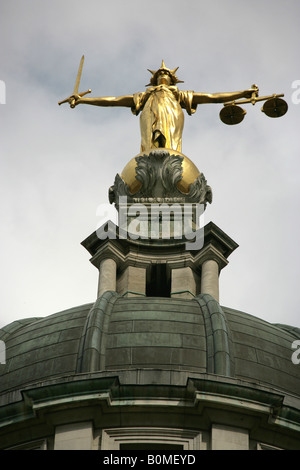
(273, 107)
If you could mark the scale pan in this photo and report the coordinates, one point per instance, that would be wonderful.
(275, 107)
(232, 114)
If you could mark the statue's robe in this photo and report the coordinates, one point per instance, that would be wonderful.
(162, 118)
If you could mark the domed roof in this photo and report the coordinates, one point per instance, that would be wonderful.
(189, 174)
(118, 335)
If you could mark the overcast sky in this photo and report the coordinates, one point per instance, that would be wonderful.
(57, 163)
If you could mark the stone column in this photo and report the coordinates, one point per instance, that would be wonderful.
(107, 276)
(210, 278)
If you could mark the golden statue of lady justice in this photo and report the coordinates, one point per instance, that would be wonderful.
(160, 106)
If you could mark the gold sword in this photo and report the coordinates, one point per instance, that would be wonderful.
(76, 87)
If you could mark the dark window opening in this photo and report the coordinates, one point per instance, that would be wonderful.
(158, 281)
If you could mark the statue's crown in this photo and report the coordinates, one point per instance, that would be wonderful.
(170, 72)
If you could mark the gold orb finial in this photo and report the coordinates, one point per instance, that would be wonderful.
(189, 174)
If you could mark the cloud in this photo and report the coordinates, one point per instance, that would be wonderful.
(57, 163)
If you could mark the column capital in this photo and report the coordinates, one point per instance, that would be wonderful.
(209, 252)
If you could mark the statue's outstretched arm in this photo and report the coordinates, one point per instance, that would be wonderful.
(200, 98)
(126, 100)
